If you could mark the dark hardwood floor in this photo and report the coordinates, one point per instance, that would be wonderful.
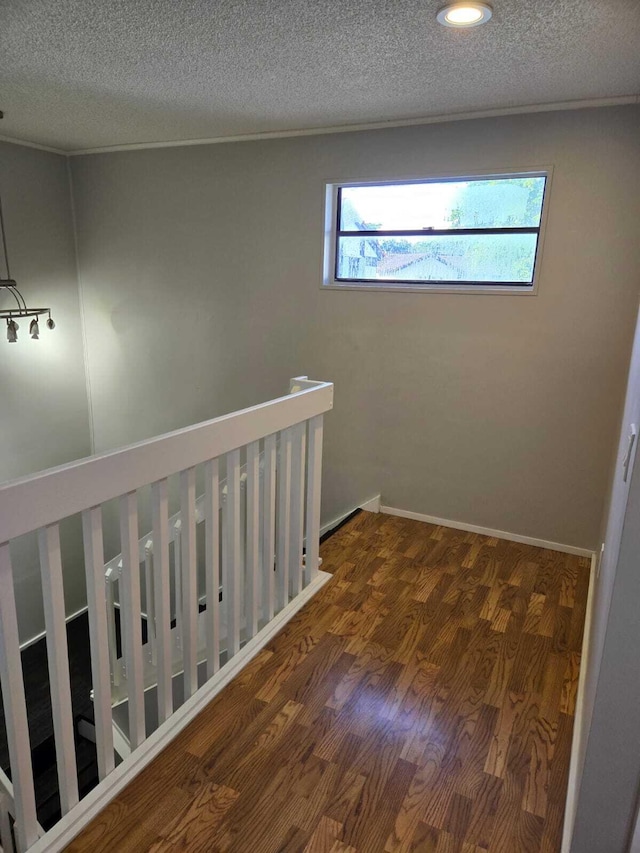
(423, 701)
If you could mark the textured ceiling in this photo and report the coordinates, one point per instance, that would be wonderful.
(79, 74)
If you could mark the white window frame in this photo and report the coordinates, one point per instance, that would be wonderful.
(329, 281)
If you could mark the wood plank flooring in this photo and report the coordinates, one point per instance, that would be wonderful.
(423, 702)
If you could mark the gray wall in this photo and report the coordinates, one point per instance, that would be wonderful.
(45, 419)
(606, 576)
(611, 779)
(200, 268)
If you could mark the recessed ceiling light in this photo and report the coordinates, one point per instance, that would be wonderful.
(466, 14)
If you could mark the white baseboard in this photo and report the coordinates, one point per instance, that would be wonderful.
(575, 768)
(487, 531)
(72, 823)
(372, 505)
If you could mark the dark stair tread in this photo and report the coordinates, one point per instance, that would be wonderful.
(36, 683)
(46, 782)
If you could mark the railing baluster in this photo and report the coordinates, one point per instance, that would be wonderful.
(253, 538)
(130, 610)
(148, 600)
(314, 479)
(162, 596)
(58, 663)
(177, 580)
(189, 582)
(98, 637)
(212, 561)
(231, 587)
(224, 560)
(243, 547)
(15, 709)
(298, 461)
(284, 518)
(114, 666)
(268, 527)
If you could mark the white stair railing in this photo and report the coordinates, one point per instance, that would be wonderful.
(271, 456)
(256, 604)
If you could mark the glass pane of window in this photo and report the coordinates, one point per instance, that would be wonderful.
(487, 203)
(455, 258)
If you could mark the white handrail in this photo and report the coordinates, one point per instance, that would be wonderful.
(41, 499)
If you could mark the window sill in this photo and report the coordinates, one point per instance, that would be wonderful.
(474, 290)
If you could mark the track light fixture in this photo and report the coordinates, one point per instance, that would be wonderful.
(22, 309)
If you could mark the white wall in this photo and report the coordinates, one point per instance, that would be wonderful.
(44, 413)
(200, 269)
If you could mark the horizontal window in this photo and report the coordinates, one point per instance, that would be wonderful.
(451, 233)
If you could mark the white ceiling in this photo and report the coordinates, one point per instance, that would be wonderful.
(80, 74)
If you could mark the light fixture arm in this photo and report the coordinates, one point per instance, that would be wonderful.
(14, 292)
(4, 248)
